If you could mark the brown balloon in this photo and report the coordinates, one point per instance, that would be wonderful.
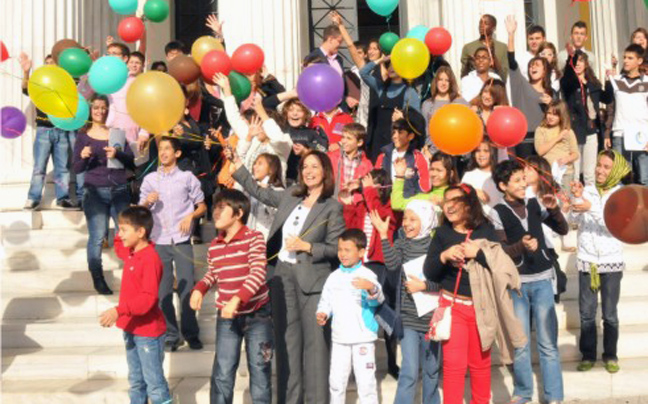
(626, 214)
(62, 45)
(184, 69)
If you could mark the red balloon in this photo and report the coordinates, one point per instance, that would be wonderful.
(130, 29)
(626, 214)
(247, 59)
(215, 62)
(438, 41)
(4, 53)
(507, 126)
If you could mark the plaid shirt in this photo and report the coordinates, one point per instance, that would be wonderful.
(350, 166)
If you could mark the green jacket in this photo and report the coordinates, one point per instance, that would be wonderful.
(399, 202)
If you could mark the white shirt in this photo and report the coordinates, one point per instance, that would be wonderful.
(292, 228)
(483, 180)
(472, 84)
(261, 215)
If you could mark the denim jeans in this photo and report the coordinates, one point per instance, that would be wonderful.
(99, 205)
(638, 160)
(145, 356)
(587, 304)
(54, 142)
(418, 353)
(256, 328)
(537, 303)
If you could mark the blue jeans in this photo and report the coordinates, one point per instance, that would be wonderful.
(256, 328)
(638, 160)
(418, 353)
(145, 356)
(54, 142)
(537, 302)
(99, 205)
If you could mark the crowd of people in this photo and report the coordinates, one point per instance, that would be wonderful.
(334, 227)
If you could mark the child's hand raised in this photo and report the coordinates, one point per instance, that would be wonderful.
(195, 302)
(368, 182)
(322, 318)
(414, 284)
(382, 226)
(362, 283)
(550, 201)
(109, 317)
(223, 82)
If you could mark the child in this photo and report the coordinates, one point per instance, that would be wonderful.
(350, 163)
(599, 260)
(138, 313)
(172, 194)
(492, 96)
(349, 297)
(556, 142)
(267, 172)
(332, 123)
(418, 222)
(479, 175)
(518, 223)
(473, 82)
(237, 267)
(406, 134)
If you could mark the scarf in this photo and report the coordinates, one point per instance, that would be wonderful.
(425, 211)
(620, 169)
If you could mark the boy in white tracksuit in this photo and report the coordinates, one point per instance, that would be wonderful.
(350, 297)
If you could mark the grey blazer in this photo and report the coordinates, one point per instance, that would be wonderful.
(324, 225)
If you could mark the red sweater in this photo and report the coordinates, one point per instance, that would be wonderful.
(333, 127)
(138, 308)
(238, 267)
(337, 162)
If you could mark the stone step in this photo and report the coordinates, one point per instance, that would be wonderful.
(15, 195)
(593, 387)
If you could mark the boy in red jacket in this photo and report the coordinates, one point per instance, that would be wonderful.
(350, 163)
(138, 313)
(332, 122)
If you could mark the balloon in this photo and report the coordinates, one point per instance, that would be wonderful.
(626, 214)
(241, 86)
(124, 7)
(4, 53)
(13, 122)
(410, 58)
(383, 7)
(507, 126)
(203, 46)
(156, 10)
(62, 45)
(53, 91)
(438, 41)
(80, 119)
(108, 75)
(130, 29)
(646, 3)
(456, 129)
(387, 42)
(215, 62)
(75, 61)
(320, 87)
(184, 69)
(417, 32)
(155, 101)
(247, 59)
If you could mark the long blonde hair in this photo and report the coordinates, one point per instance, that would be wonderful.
(558, 108)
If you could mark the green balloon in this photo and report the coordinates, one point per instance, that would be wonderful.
(241, 86)
(387, 42)
(156, 10)
(75, 61)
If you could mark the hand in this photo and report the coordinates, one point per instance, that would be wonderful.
(610, 72)
(109, 317)
(215, 25)
(427, 152)
(196, 299)
(94, 53)
(414, 284)
(564, 135)
(299, 149)
(322, 318)
(109, 40)
(615, 61)
(223, 82)
(255, 127)
(25, 62)
(142, 142)
(352, 185)
(470, 249)
(562, 161)
(345, 197)
(400, 167)
(546, 99)
(334, 147)
(185, 224)
(511, 24)
(86, 152)
(577, 189)
(607, 143)
(436, 199)
(530, 243)
(178, 130)
(152, 198)
(483, 196)
(362, 283)
(111, 152)
(352, 102)
(384, 59)
(336, 18)
(368, 182)
(454, 254)
(570, 49)
(295, 244)
(231, 308)
(550, 201)
(208, 142)
(382, 226)
(582, 207)
(397, 114)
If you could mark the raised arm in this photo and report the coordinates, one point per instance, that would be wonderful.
(511, 27)
(353, 51)
(267, 196)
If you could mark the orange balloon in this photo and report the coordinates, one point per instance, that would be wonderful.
(456, 129)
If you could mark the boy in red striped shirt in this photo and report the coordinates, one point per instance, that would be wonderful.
(237, 266)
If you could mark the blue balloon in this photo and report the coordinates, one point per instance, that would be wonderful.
(418, 32)
(383, 7)
(80, 119)
(108, 74)
(124, 7)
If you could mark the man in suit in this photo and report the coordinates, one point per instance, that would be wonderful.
(331, 42)
(487, 25)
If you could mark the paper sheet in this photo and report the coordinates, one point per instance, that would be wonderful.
(425, 301)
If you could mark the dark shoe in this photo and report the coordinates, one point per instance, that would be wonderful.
(67, 204)
(171, 346)
(195, 344)
(394, 371)
(585, 366)
(31, 205)
(100, 285)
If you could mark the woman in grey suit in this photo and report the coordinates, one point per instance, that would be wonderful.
(302, 252)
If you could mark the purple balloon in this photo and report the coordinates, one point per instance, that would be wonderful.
(320, 87)
(13, 122)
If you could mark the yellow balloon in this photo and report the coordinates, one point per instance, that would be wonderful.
(156, 102)
(410, 58)
(204, 45)
(54, 91)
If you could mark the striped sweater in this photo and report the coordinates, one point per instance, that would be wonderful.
(238, 268)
